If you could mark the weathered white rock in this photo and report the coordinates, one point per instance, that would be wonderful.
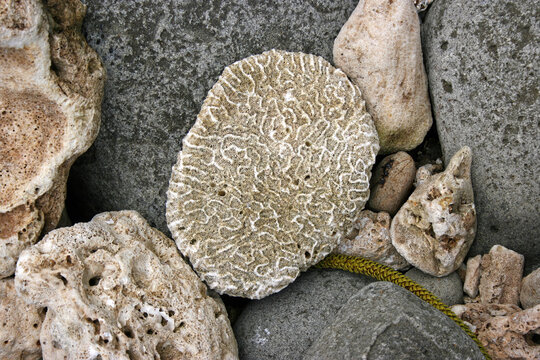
(273, 173)
(391, 182)
(115, 288)
(530, 290)
(472, 276)
(500, 281)
(371, 239)
(435, 228)
(20, 325)
(51, 86)
(379, 48)
(422, 5)
(425, 172)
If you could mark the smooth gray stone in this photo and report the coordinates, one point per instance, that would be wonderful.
(162, 57)
(447, 288)
(483, 64)
(283, 325)
(385, 321)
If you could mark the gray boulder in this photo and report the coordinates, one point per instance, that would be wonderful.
(385, 321)
(483, 64)
(447, 288)
(283, 325)
(162, 57)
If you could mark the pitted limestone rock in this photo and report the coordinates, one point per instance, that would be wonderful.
(530, 290)
(272, 173)
(115, 288)
(51, 85)
(435, 228)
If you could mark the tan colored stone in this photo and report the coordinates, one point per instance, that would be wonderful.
(530, 290)
(272, 174)
(500, 280)
(115, 288)
(392, 182)
(435, 228)
(371, 239)
(379, 48)
(472, 276)
(425, 172)
(51, 86)
(20, 325)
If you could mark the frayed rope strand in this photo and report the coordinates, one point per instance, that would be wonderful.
(360, 265)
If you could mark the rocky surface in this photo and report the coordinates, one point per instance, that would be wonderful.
(379, 48)
(500, 280)
(435, 228)
(392, 182)
(372, 326)
(162, 58)
(115, 288)
(272, 173)
(530, 290)
(284, 325)
(51, 86)
(472, 276)
(20, 325)
(447, 288)
(371, 239)
(424, 172)
(483, 63)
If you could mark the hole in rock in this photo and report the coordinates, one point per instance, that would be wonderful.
(94, 281)
(149, 331)
(128, 332)
(308, 143)
(221, 193)
(307, 254)
(164, 321)
(64, 280)
(307, 177)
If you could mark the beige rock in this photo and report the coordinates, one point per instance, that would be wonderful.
(51, 86)
(20, 325)
(530, 290)
(115, 288)
(272, 174)
(472, 276)
(422, 5)
(500, 281)
(379, 48)
(425, 172)
(435, 228)
(391, 182)
(504, 330)
(371, 239)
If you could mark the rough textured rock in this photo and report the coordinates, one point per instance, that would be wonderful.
(530, 290)
(391, 182)
(435, 228)
(483, 63)
(472, 276)
(371, 239)
(284, 325)
(422, 5)
(506, 331)
(385, 321)
(272, 174)
(501, 272)
(448, 288)
(20, 325)
(379, 48)
(162, 58)
(51, 85)
(115, 288)
(426, 171)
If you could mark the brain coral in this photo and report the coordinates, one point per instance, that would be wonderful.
(273, 172)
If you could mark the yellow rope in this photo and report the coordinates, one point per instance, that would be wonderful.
(360, 265)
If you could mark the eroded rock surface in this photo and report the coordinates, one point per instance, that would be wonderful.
(115, 288)
(530, 290)
(272, 174)
(472, 276)
(51, 85)
(379, 48)
(435, 228)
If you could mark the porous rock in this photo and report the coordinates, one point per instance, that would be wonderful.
(115, 288)
(435, 228)
(424, 172)
(51, 85)
(385, 321)
(371, 239)
(379, 48)
(501, 273)
(272, 174)
(530, 290)
(422, 5)
(483, 64)
(391, 182)
(284, 325)
(505, 331)
(447, 288)
(472, 276)
(20, 325)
